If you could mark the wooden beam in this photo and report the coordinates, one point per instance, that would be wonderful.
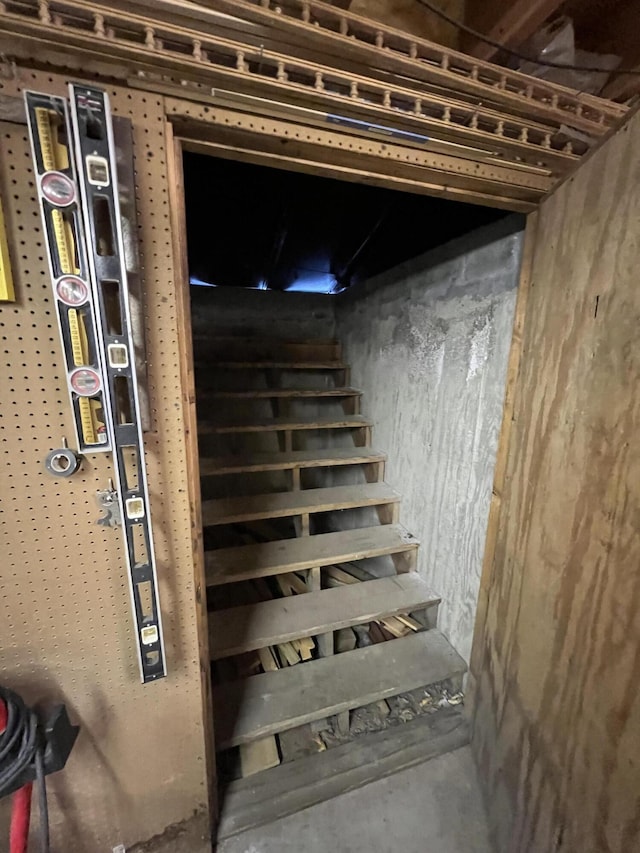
(437, 188)
(175, 183)
(275, 701)
(258, 756)
(309, 614)
(623, 87)
(500, 469)
(246, 562)
(296, 785)
(509, 23)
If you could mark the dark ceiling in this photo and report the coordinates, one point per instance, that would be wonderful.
(253, 226)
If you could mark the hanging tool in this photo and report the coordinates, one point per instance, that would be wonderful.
(7, 293)
(57, 191)
(98, 181)
(62, 462)
(78, 186)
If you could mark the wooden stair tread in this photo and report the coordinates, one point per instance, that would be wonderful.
(267, 623)
(271, 365)
(293, 423)
(279, 461)
(312, 779)
(283, 504)
(273, 393)
(272, 702)
(265, 339)
(227, 565)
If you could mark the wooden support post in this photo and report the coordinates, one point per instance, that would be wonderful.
(341, 723)
(351, 405)
(374, 472)
(362, 436)
(406, 562)
(288, 441)
(389, 513)
(180, 277)
(325, 641)
(295, 479)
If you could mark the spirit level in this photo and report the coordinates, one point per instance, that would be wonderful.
(6, 279)
(49, 130)
(98, 184)
(76, 167)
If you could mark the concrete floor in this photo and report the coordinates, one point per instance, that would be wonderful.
(434, 807)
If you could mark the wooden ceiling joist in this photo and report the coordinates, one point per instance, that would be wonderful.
(509, 24)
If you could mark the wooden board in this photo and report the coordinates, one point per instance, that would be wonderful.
(297, 785)
(557, 705)
(271, 365)
(227, 565)
(175, 189)
(271, 424)
(276, 393)
(267, 623)
(274, 701)
(510, 24)
(230, 347)
(259, 755)
(210, 466)
(499, 471)
(283, 504)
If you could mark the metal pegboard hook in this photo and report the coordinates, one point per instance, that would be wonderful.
(108, 502)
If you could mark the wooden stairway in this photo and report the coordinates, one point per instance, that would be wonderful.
(302, 539)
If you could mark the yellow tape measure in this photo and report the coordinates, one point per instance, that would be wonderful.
(92, 426)
(55, 154)
(65, 243)
(87, 421)
(7, 293)
(79, 343)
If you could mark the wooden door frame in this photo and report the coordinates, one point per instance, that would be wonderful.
(204, 143)
(177, 212)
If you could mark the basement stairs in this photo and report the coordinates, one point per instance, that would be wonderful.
(315, 605)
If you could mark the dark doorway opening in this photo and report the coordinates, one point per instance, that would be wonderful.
(264, 228)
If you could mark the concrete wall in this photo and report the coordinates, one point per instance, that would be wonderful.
(428, 344)
(240, 311)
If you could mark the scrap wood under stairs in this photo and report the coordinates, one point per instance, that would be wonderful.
(316, 587)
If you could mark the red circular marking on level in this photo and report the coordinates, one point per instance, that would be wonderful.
(85, 381)
(58, 189)
(72, 290)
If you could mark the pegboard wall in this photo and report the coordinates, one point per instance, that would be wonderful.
(66, 629)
